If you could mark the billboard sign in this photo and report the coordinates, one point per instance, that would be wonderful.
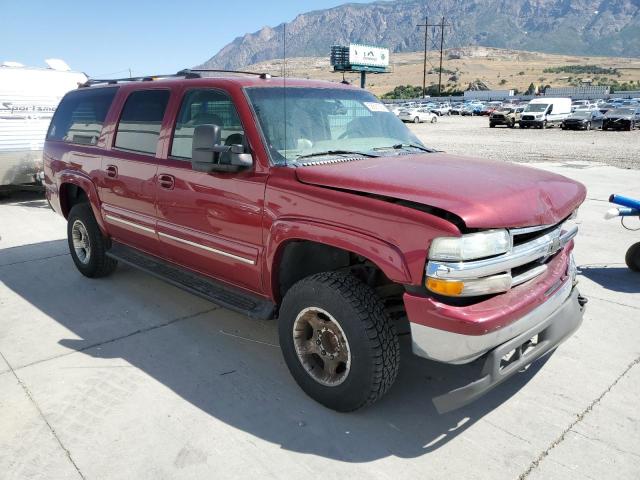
(368, 56)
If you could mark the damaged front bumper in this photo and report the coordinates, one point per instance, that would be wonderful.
(510, 357)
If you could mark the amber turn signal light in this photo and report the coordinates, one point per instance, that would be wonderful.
(445, 287)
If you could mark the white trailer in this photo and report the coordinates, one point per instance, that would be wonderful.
(28, 99)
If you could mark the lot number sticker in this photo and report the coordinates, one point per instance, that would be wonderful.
(375, 107)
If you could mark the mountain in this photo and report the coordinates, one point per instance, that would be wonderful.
(572, 27)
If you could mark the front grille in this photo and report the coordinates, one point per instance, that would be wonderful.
(532, 249)
(524, 235)
(528, 117)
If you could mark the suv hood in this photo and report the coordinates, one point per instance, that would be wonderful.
(483, 193)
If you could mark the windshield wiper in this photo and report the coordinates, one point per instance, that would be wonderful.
(400, 146)
(337, 152)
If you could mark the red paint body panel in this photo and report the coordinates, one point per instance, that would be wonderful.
(396, 238)
(253, 215)
(484, 193)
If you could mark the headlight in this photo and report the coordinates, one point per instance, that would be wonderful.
(471, 246)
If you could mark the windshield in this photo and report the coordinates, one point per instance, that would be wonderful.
(536, 107)
(326, 120)
(581, 114)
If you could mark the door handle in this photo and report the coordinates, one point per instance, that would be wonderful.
(166, 181)
(112, 171)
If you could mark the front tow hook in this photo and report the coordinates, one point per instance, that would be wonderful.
(582, 301)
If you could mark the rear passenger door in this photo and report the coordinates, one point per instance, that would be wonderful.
(128, 188)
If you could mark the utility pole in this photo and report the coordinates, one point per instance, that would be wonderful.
(441, 49)
(424, 71)
(426, 26)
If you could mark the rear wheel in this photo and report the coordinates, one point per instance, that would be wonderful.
(416, 120)
(339, 344)
(434, 119)
(632, 126)
(632, 258)
(492, 125)
(87, 245)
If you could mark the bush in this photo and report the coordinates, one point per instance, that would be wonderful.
(582, 69)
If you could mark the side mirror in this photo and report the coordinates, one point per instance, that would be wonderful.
(208, 155)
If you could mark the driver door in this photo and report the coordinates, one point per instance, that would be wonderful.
(210, 222)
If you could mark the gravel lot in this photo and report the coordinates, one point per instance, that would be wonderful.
(472, 136)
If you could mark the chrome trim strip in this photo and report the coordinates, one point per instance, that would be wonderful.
(528, 275)
(540, 247)
(208, 249)
(457, 348)
(131, 224)
(525, 230)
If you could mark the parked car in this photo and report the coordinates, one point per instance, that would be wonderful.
(490, 107)
(418, 115)
(621, 119)
(457, 108)
(545, 112)
(473, 109)
(28, 98)
(509, 117)
(605, 107)
(337, 221)
(441, 109)
(583, 120)
(576, 104)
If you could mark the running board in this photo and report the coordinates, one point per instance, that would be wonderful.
(223, 295)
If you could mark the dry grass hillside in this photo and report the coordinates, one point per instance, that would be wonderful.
(497, 68)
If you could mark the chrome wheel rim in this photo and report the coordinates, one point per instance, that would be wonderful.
(322, 346)
(81, 243)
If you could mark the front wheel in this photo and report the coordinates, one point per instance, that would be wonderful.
(632, 258)
(337, 341)
(434, 119)
(87, 245)
(416, 120)
(588, 127)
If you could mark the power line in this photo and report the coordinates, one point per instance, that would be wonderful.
(434, 26)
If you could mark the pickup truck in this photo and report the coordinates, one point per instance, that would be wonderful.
(310, 203)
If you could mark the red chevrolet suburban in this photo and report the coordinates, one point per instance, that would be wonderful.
(310, 202)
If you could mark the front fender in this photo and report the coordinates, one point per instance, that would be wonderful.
(386, 256)
(80, 180)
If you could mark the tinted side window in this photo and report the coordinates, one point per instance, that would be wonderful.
(205, 107)
(80, 116)
(141, 119)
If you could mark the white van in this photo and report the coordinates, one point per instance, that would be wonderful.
(545, 112)
(28, 98)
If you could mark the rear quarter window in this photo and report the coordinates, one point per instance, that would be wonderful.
(141, 120)
(80, 116)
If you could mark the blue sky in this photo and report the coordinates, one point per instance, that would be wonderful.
(105, 38)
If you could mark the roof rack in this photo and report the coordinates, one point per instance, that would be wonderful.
(187, 73)
(114, 81)
(195, 72)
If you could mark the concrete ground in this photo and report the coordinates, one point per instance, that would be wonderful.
(129, 378)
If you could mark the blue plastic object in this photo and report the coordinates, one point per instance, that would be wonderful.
(626, 202)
